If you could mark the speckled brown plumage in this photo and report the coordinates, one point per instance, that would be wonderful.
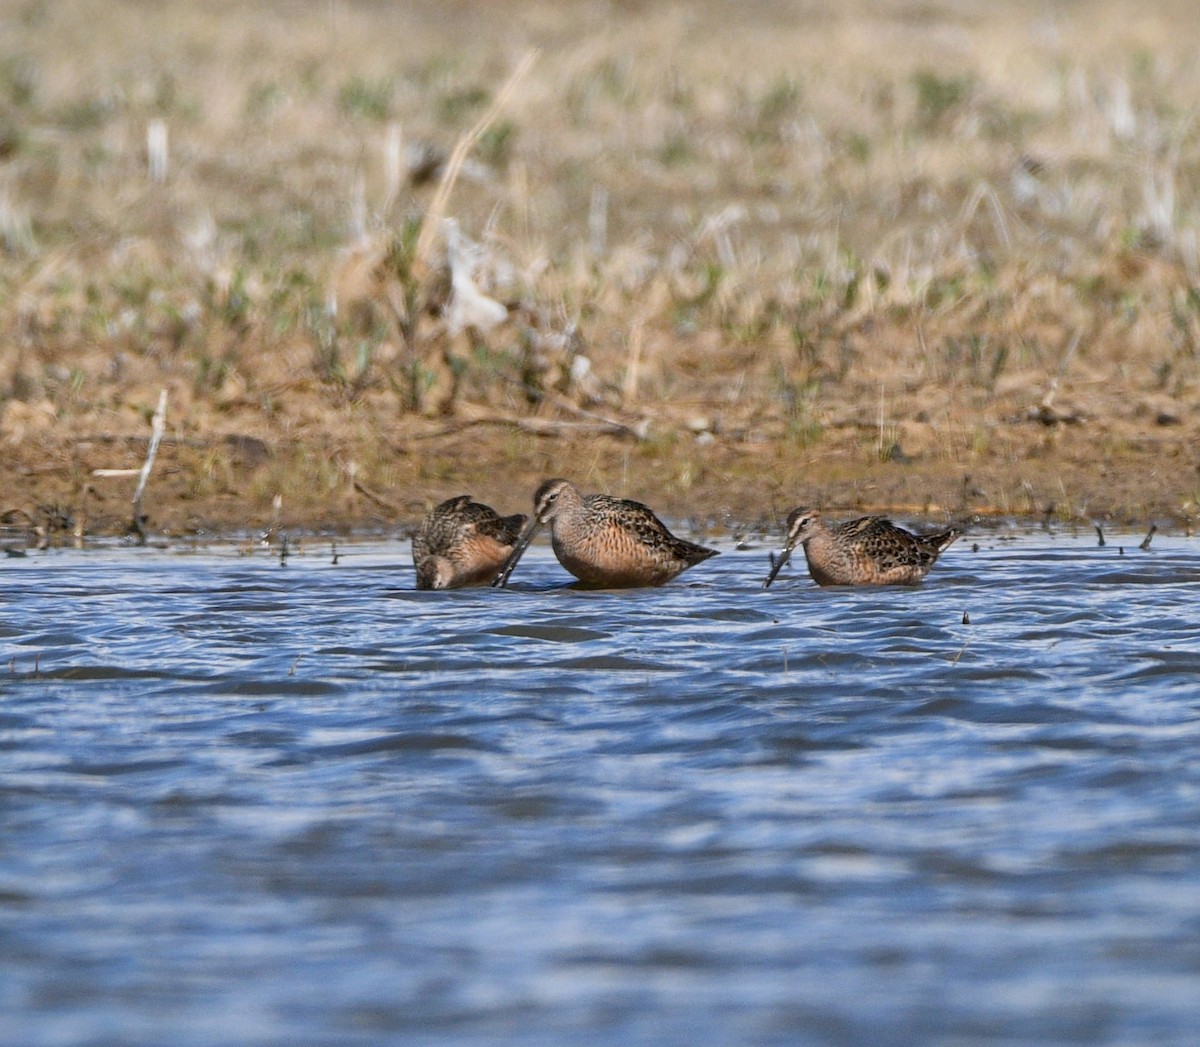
(462, 542)
(867, 551)
(607, 543)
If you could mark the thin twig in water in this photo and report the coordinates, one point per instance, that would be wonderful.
(1100, 535)
(1149, 534)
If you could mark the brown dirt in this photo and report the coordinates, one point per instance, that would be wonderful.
(941, 260)
(228, 483)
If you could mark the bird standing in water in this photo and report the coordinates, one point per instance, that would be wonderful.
(607, 543)
(867, 551)
(463, 542)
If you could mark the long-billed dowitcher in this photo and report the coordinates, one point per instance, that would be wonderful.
(607, 543)
(463, 542)
(867, 551)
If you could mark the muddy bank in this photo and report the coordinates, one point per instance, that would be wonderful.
(708, 482)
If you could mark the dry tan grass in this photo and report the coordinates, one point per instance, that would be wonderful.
(925, 254)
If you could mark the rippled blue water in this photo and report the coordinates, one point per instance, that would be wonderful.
(243, 803)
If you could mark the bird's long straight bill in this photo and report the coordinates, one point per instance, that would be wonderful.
(777, 565)
(501, 580)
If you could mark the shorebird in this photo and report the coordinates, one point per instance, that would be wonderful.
(607, 543)
(867, 551)
(462, 542)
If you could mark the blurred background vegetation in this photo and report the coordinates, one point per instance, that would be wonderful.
(713, 241)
